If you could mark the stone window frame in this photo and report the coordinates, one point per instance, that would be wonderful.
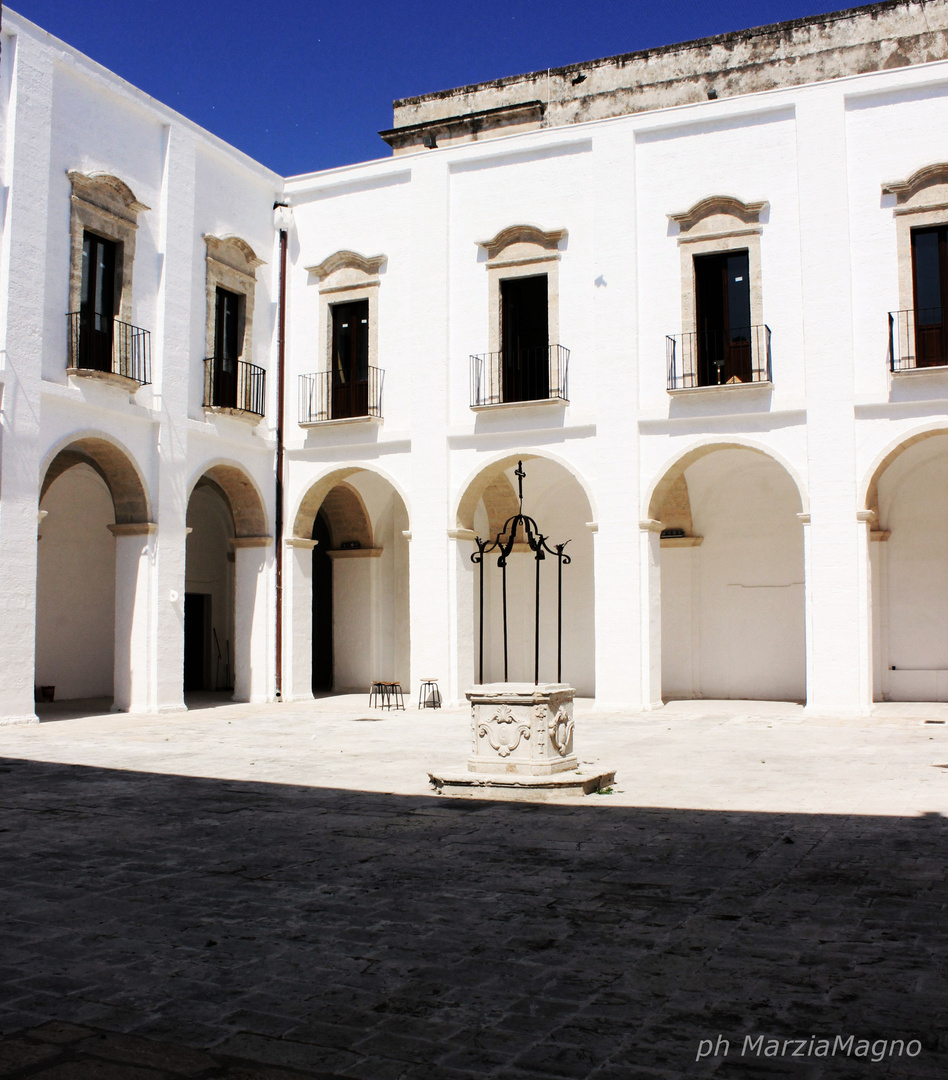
(231, 263)
(343, 277)
(713, 226)
(920, 201)
(520, 251)
(103, 204)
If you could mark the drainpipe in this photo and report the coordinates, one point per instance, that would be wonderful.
(281, 218)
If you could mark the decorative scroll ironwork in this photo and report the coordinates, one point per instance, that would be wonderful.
(503, 543)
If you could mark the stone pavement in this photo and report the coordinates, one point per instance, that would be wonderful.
(261, 892)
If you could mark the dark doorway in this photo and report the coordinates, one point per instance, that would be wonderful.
(322, 606)
(350, 359)
(197, 629)
(525, 338)
(226, 348)
(722, 300)
(97, 302)
(930, 278)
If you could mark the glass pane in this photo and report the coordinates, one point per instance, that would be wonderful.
(738, 297)
(927, 276)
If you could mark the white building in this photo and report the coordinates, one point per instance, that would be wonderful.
(700, 292)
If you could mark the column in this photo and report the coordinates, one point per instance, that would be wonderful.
(836, 644)
(650, 612)
(25, 334)
(133, 685)
(252, 664)
(298, 619)
(172, 376)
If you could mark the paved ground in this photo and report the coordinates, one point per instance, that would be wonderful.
(258, 892)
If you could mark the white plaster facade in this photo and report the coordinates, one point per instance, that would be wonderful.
(811, 566)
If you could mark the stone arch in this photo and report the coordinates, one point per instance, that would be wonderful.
(869, 488)
(313, 498)
(671, 472)
(728, 588)
(243, 496)
(346, 516)
(113, 463)
(481, 480)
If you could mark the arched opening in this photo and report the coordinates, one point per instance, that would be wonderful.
(909, 564)
(225, 608)
(555, 498)
(732, 573)
(209, 591)
(350, 595)
(94, 531)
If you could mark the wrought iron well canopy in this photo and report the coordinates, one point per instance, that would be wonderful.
(503, 543)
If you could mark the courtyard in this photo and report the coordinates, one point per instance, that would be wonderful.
(275, 891)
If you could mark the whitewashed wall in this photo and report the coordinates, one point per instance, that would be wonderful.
(818, 155)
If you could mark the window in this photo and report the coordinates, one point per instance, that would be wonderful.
(918, 336)
(347, 383)
(102, 339)
(231, 381)
(96, 303)
(525, 338)
(930, 280)
(226, 347)
(350, 359)
(525, 362)
(724, 341)
(723, 318)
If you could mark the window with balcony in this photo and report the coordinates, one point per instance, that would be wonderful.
(525, 363)
(101, 338)
(348, 383)
(724, 341)
(918, 334)
(232, 384)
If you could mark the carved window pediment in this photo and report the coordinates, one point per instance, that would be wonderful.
(520, 243)
(348, 270)
(926, 189)
(719, 215)
(232, 252)
(106, 193)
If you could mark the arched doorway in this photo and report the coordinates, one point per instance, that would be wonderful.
(732, 577)
(350, 599)
(908, 494)
(226, 631)
(91, 589)
(555, 498)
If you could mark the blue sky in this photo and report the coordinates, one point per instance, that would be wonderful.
(302, 86)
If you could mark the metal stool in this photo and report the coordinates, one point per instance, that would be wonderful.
(429, 696)
(378, 693)
(394, 698)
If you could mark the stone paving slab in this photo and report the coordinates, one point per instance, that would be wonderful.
(247, 892)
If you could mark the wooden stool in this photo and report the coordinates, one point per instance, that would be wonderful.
(429, 696)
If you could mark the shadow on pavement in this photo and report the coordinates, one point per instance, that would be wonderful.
(381, 936)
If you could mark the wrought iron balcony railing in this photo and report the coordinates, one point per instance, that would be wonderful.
(520, 375)
(324, 398)
(918, 339)
(109, 346)
(234, 384)
(718, 357)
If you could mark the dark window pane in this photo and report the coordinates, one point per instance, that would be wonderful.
(927, 275)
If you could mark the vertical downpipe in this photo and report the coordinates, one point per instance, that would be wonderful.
(281, 217)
